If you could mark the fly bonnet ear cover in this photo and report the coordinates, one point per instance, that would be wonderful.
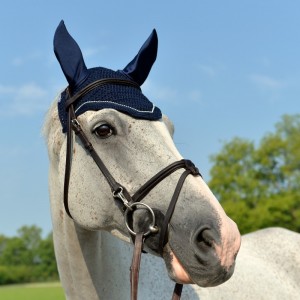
(126, 99)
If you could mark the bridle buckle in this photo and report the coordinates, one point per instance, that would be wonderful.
(76, 125)
(118, 194)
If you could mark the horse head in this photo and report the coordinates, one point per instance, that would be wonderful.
(134, 140)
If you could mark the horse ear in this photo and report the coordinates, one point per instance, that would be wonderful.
(69, 56)
(138, 69)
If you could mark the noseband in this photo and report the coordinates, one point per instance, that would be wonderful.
(119, 192)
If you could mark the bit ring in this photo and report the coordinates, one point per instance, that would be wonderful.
(152, 227)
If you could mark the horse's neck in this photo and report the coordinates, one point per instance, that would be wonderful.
(95, 265)
(86, 270)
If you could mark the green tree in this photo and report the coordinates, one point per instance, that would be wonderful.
(13, 252)
(47, 267)
(259, 186)
(27, 257)
(22, 249)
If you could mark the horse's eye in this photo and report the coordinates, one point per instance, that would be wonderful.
(103, 131)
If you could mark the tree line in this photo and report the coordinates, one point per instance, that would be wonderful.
(27, 257)
(259, 185)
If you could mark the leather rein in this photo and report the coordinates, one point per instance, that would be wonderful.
(119, 192)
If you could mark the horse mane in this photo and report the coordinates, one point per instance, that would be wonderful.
(52, 131)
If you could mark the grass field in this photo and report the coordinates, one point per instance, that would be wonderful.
(36, 291)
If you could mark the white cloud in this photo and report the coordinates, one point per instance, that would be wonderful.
(89, 52)
(267, 81)
(266, 62)
(195, 96)
(155, 91)
(17, 61)
(208, 70)
(26, 99)
(6, 90)
(34, 56)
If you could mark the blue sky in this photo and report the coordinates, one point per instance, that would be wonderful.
(224, 69)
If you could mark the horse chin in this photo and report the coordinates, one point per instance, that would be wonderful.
(175, 269)
(177, 272)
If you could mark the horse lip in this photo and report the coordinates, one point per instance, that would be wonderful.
(169, 256)
(200, 271)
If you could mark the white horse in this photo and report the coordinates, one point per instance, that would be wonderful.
(135, 142)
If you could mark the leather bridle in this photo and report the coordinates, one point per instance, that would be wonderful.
(119, 192)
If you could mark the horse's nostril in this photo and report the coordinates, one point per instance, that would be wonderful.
(204, 237)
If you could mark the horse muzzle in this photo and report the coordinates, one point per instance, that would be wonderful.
(191, 256)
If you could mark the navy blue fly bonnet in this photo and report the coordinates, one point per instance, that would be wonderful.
(125, 98)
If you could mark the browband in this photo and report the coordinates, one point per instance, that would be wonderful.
(96, 84)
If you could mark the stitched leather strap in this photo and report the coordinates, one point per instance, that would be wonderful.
(177, 291)
(150, 184)
(89, 147)
(68, 165)
(96, 84)
(135, 265)
(75, 126)
(135, 271)
(169, 213)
